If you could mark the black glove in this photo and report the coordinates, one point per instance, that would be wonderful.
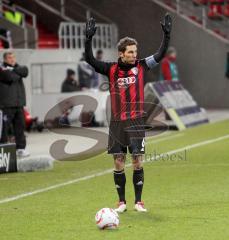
(90, 28)
(167, 24)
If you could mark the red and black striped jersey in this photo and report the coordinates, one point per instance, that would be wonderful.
(127, 91)
(126, 81)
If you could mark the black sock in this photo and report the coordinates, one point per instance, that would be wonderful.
(138, 181)
(120, 182)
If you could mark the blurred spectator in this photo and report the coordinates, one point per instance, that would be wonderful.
(12, 101)
(6, 38)
(70, 84)
(98, 78)
(5, 34)
(12, 15)
(86, 74)
(169, 70)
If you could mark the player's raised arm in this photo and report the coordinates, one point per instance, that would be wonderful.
(100, 67)
(166, 26)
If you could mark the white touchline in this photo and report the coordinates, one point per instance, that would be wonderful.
(163, 134)
(27, 194)
(164, 138)
(23, 195)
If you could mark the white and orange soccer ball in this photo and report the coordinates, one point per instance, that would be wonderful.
(107, 218)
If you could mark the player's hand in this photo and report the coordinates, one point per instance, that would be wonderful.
(90, 28)
(167, 24)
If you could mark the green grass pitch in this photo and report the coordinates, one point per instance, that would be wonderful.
(186, 199)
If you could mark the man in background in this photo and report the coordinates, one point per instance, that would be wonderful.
(12, 15)
(12, 101)
(70, 84)
(99, 79)
(86, 74)
(169, 70)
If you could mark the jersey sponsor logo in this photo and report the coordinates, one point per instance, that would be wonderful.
(122, 82)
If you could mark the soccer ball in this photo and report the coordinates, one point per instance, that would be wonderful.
(107, 218)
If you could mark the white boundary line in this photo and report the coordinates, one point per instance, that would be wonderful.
(27, 194)
(153, 140)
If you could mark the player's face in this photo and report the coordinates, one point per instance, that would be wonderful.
(130, 55)
(10, 59)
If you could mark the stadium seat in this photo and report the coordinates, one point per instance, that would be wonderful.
(171, 4)
(46, 38)
(218, 32)
(226, 9)
(216, 9)
(200, 2)
(196, 19)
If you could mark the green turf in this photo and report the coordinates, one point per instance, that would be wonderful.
(186, 199)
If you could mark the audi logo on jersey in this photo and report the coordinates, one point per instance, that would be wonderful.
(122, 82)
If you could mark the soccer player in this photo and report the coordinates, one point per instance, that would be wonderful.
(126, 85)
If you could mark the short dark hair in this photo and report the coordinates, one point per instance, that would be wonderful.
(5, 54)
(124, 42)
(99, 52)
(70, 72)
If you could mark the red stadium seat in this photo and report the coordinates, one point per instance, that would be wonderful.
(171, 4)
(226, 9)
(200, 2)
(197, 20)
(217, 31)
(216, 9)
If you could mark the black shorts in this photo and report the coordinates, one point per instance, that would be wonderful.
(127, 134)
